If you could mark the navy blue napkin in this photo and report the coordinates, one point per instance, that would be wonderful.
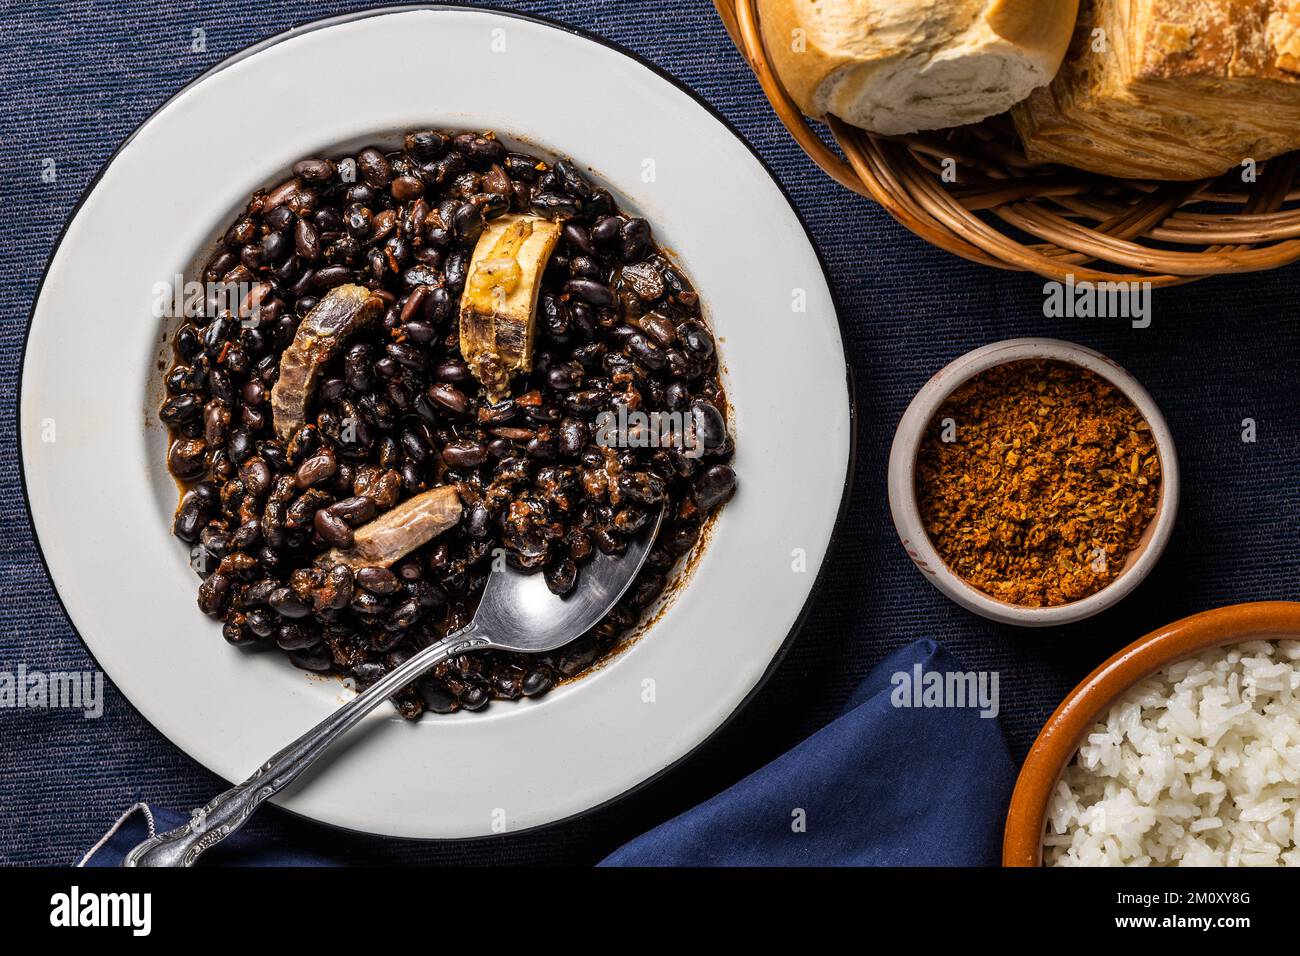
(904, 777)
(141, 821)
(882, 785)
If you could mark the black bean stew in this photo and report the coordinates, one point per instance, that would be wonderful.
(398, 412)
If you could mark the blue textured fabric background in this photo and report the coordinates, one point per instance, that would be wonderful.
(77, 77)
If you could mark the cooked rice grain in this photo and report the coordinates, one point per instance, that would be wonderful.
(1198, 765)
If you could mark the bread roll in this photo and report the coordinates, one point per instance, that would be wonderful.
(1171, 89)
(899, 66)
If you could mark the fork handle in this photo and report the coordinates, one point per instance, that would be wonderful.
(229, 811)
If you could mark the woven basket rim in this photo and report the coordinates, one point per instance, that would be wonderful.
(1082, 226)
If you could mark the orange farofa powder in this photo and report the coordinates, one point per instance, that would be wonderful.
(1035, 480)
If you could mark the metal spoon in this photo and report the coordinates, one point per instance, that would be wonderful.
(517, 613)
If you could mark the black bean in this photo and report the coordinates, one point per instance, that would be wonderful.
(454, 272)
(586, 401)
(479, 149)
(336, 593)
(285, 603)
(374, 168)
(408, 356)
(379, 581)
(184, 378)
(561, 576)
(406, 188)
(214, 593)
(214, 335)
(572, 181)
(421, 333)
(367, 672)
(306, 240)
(261, 622)
(634, 240)
(257, 593)
(478, 521)
(438, 305)
(639, 347)
(414, 445)
(577, 657)
(554, 205)
(585, 267)
(714, 486)
(404, 615)
(425, 145)
(219, 265)
(449, 398)
(333, 530)
(572, 437)
(332, 389)
(475, 696)
(596, 293)
(330, 276)
(215, 541)
(659, 328)
(182, 408)
(314, 170)
(681, 366)
(186, 458)
(275, 246)
(468, 222)
(607, 230)
(537, 682)
(256, 476)
(316, 658)
(420, 275)
(520, 166)
(435, 695)
(564, 376)
(356, 511)
(316, 469)
(359, 219)
(383, 225)
(240, 635)
(190, 518)
(642, 487)
(710, 426)
(465, 454)
(695, 336)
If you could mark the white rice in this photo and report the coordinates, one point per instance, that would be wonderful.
(1198, 765)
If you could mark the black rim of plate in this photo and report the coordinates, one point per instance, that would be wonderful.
(818, 581)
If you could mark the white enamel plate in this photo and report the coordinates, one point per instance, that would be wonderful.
(93, 451)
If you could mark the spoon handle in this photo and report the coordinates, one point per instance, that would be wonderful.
(230, 811)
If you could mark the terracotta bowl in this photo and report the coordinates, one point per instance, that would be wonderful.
(1022, 843)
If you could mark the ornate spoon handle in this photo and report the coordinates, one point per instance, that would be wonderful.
(230, 811)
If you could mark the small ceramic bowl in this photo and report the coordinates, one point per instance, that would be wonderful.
(907, 515)
(1022, 843)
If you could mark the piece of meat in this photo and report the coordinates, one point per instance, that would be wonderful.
(398, 532)
(498, 305)
(320, 335)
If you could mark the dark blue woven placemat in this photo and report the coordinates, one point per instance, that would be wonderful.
(79, 76)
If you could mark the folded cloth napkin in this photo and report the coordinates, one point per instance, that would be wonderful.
(141, 821)
(904, 777)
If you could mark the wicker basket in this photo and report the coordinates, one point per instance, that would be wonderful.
(1088, 226)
